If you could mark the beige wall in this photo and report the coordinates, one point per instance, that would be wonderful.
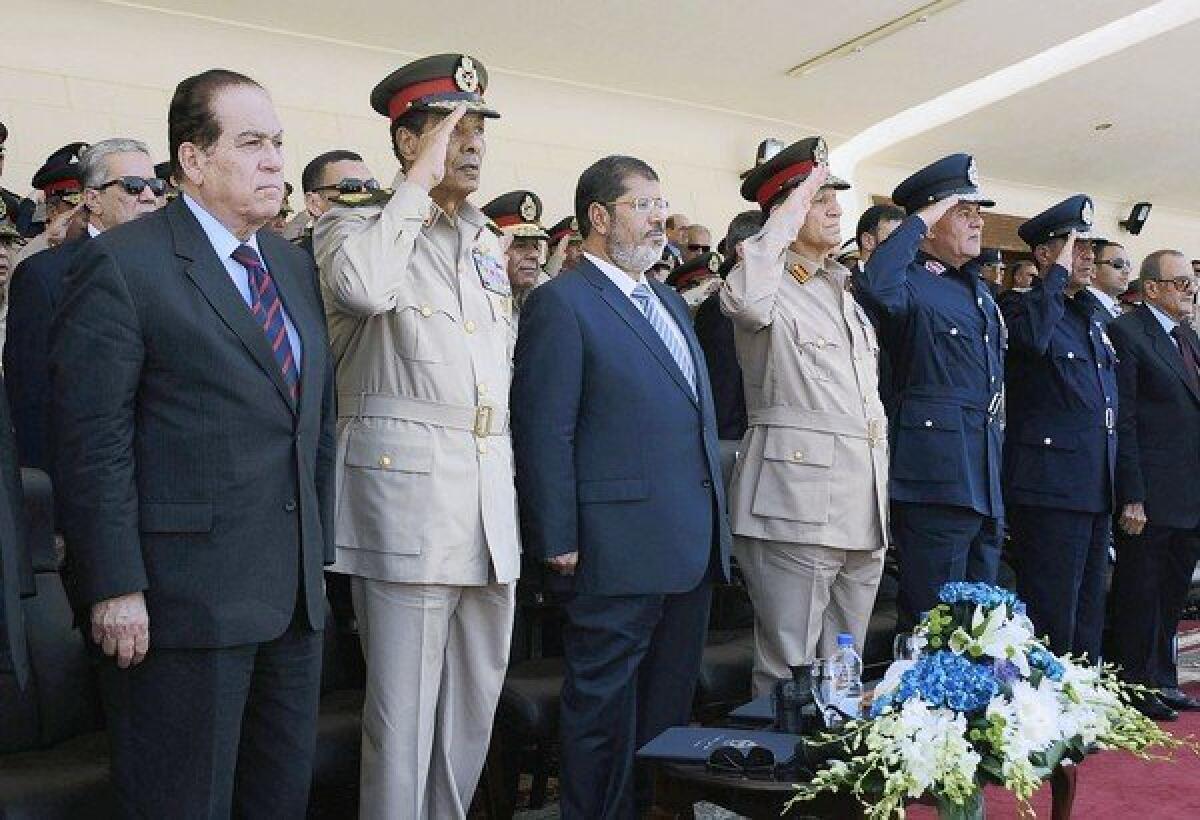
(76, 69)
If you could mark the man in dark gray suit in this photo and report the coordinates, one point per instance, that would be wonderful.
(193, 413)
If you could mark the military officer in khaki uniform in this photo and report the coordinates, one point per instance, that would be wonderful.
(421, 324)
(808, 498)
(566, 245)
(518, 215)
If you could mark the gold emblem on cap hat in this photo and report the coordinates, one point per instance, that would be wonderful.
(820, 151)
(1087, 213)
(465, 76)
(529, 210)
(973, 173)
(714, 263)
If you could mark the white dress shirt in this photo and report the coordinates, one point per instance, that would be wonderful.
(1109, 303)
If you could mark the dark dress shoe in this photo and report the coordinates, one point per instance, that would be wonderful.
(1149, 705)
(1178, 700)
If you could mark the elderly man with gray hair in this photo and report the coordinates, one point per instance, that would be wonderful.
(119, 185)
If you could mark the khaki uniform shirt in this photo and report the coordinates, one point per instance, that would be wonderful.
(814, 464)
(422, 330)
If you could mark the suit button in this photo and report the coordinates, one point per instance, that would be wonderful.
(469, 326)
(385, 461)
(289, 506)
(706, 484)
(1047, 441)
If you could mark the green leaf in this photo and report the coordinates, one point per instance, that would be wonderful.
(972, 809)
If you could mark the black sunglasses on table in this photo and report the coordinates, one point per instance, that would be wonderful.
(756, 762)
(135, 185)
(350, 185)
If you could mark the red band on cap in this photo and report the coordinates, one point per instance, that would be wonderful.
(691, 276)
(507, 220)
(405, 97)
(69, 185)
(768, 190)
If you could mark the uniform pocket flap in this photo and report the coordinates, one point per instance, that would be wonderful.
(389, 450)
(1049, 439)
(920, 415)
(809, 447)
(175, 516)
(613, 489)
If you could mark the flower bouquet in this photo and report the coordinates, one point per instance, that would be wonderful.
(983, 702)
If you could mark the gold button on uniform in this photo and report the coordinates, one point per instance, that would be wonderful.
(797, 456)
(426, 311)
(481, 447)
(469, 326)
(385, 461)
(481, 388)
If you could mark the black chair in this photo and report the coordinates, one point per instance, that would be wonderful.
(54, 760)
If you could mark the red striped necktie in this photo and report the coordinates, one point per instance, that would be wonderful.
(267, 309)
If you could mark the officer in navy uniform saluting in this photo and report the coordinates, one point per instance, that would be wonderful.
(947, 342)
(1061, 447)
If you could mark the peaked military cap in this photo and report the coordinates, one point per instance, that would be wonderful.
(990, 256)
(1073, 213)
(704, 265)
(775, 177)
(518, 213)
(563, 227)
(954, 175)
(60, 173)
(436, 83)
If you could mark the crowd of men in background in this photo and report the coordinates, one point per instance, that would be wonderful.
(402, 389)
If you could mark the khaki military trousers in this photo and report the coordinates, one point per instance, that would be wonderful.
(436, 656)
(803, 596)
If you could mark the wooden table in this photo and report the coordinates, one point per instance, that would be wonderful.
(678, 786)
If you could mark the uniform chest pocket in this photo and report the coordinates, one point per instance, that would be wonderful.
(422, 332)
(819, 355)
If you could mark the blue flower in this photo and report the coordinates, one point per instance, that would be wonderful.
(944, 679)
(984, 595)
(1050, 666)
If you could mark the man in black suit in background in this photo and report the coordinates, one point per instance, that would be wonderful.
(1158, 497)
(193, 417)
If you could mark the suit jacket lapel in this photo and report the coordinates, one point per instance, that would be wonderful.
(638, 323)
(1164, 345)
(209, 275)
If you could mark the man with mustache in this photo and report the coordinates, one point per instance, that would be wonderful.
(947, 350)
(421, 321)
(518, 214)
(620, 486)
(808, 498)
(1061, 444)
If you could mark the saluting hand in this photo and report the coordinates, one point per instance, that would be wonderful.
(564, 564)
(1133, 519)
(121, 627)
(430, 165)
(1066, 256)
(932, 214)
(786, 219)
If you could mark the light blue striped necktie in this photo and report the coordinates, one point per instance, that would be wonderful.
(653, 312)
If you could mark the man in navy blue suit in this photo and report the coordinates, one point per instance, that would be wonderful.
(619, 482)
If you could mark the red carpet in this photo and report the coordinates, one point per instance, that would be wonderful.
(1116, 785)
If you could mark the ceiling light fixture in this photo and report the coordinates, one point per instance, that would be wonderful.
(856, 46)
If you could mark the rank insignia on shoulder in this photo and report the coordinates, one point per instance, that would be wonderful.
(492, 273)
(935, 267)
(799, 272)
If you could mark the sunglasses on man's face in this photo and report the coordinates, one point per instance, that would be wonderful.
(1117, 264)
(135, 185)
(350, 185)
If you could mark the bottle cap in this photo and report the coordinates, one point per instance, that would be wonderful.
(845, 639)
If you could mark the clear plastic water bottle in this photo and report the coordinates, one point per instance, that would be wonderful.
(845, 677)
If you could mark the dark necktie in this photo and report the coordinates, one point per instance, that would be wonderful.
(1191, 361)
(268, 311)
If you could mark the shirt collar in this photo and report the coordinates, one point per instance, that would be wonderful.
(222, 239)
(1109, 303)
(619, 277)
(92, 230)
(1168, 324)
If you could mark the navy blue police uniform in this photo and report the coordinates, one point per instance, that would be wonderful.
(947, 340)
(1061, 448)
